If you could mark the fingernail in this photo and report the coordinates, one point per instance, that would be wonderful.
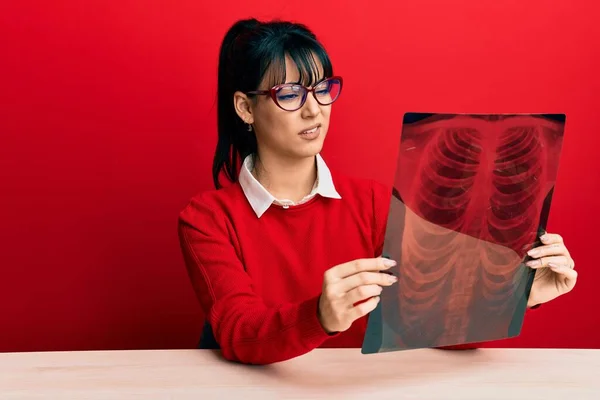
(389, 263)
(392, 278)
(532, 263)
(533, 252)
(544, 237)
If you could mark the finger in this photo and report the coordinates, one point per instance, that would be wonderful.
(544, 261)
(354, 267)
(556, 249)
(365, 278)
(551, 238)
(363, 309)
(565, 271)
(361, 293)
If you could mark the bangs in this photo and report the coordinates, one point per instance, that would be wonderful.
(306, 57)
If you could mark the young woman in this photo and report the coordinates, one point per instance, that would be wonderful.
(286, 258)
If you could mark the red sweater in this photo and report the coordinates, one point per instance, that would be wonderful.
(258, 280)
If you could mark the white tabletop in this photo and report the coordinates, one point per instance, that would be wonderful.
(504, 374)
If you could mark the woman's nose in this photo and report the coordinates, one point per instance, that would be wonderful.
(311, 106)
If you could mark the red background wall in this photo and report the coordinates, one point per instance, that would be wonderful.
(107, 125)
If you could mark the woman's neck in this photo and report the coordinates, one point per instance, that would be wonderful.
(286, 178)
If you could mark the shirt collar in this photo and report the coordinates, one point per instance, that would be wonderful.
(260, 199)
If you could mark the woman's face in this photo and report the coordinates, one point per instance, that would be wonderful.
(289, 134)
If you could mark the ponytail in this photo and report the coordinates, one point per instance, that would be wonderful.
(235, 142)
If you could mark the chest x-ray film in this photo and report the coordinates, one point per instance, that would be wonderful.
(471, 196)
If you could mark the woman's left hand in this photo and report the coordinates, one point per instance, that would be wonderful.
(555, 273)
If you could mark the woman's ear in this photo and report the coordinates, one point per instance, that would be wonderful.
(243, 107)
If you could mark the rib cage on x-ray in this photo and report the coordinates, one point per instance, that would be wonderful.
(471, 196)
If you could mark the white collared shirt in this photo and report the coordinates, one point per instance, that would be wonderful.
(260, 199)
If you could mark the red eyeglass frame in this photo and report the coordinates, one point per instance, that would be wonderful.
(273, 92)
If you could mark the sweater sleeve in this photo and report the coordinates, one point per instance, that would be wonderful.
(247, 330)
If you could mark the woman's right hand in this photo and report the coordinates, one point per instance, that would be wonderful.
(350, 283)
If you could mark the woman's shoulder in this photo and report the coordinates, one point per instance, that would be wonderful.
(211, 203)
(364, 187)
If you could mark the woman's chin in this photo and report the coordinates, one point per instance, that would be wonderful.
(303, 149)
(310, 150)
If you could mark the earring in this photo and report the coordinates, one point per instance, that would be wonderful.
(249, 128)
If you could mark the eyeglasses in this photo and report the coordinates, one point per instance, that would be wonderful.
(292, 96)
